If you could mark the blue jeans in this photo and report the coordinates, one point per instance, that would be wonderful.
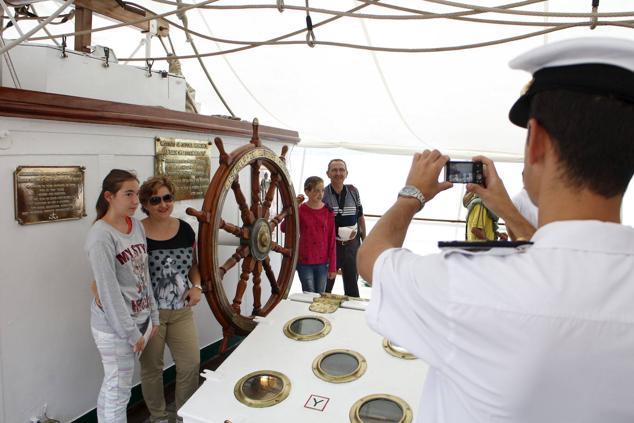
(313, 276)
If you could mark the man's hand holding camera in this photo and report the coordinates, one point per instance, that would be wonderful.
(423, 174)
(493, 192)
(494, 195)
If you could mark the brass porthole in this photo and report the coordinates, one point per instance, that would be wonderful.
(262, 388)
(339, 366)
(397, 351)
(307, 328)
(380, 408)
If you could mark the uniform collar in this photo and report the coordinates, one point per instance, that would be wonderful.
(587, 235)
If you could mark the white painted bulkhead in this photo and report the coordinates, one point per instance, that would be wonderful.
(47, 354)
(42, 68)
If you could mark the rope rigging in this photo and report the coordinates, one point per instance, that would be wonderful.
(471, 9)
(593, 22)
(310, 34)
(190, 40)
(240, 81)
(629, 24)
(40, 25)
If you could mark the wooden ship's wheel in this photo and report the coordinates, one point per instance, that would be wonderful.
(254, 234)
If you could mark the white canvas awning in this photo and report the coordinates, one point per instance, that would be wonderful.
(377, 101)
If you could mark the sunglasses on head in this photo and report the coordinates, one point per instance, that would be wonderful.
(156, 200)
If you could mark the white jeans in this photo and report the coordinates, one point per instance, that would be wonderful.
(118, 367)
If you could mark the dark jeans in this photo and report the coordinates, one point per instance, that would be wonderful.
(313, 276)
(347, 262)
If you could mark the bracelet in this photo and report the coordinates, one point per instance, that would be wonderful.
(197, 285)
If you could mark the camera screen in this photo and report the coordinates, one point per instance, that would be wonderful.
(460, 172)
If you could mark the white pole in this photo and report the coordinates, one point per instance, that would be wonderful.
(37, 28)
(143, 41)
(148, 44)
(15, 23)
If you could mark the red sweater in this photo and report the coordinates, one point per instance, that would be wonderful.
(317, 236)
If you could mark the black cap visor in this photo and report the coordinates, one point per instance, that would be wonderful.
(590, 78)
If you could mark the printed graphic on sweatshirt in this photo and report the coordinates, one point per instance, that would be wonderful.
(135, 254)
(132, 251)
(169, 269)
(139, 270)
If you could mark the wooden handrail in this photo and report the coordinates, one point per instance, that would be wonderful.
(38, 105)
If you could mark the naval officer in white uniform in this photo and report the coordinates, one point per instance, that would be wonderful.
(542, 333)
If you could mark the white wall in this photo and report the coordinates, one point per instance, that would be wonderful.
(41, 68)
(47, 354)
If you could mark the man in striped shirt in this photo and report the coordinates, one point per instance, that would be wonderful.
(349, 225)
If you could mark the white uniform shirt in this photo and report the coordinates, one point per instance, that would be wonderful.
(540, 335)
(526, 207)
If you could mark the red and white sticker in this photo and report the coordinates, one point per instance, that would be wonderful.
(316, 402)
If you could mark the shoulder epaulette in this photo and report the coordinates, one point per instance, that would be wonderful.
(492, 247)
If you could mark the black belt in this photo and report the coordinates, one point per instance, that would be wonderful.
(342, 243)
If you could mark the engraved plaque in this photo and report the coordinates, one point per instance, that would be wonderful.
(187, 163)
(45, 194)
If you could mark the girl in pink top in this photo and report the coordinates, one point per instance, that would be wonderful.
(317, 260)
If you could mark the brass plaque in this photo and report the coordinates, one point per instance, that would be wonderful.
(187, 163)
(45, 194)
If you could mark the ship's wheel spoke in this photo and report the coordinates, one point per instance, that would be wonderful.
(275, 289)
(279, 249)
(268, 198)
(277, 219)
(241, 252)
(247, 216)
(255, 188)
(257, 289)
(247, 268)
(232, 229)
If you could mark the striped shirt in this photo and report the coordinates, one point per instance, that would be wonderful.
(346, 205)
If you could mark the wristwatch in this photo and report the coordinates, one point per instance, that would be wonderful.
(412, 191)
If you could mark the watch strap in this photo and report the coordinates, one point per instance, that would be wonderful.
(413, 192)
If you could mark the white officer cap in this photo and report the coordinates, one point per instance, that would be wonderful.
(597, 65)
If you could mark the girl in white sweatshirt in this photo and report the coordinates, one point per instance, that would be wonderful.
(117, 250)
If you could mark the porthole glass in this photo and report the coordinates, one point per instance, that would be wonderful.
(263, 388)
(338, 366)
(307, 328)
(396, 350)
(380, 408)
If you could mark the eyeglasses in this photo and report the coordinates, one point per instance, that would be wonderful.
(156, 200)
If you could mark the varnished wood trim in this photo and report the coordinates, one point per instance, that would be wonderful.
(39, 105)
(110, 9)
(83, 20)
(113, 10)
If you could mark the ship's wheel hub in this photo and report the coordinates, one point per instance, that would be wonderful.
(260, 239)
